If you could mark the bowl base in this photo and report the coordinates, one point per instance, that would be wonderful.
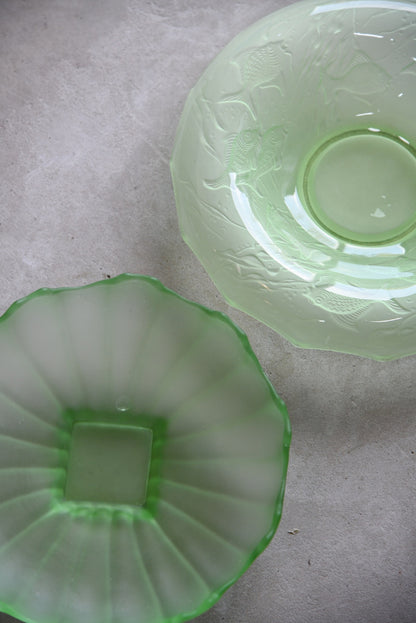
(108, 464)
(361, 186)
(113, 461)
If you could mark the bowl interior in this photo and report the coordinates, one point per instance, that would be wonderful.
(143, 455)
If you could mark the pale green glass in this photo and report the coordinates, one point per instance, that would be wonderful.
(143, 455)
(294, 172)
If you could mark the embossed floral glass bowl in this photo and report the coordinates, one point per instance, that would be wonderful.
(294, 172)
(143, 455)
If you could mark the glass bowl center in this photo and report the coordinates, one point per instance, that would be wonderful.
(108, 464)
(361, 186)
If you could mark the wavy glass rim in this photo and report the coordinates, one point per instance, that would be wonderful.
(283, 449)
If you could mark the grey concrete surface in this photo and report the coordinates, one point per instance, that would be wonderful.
(90, 96)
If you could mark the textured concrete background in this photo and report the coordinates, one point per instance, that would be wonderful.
(90, 96)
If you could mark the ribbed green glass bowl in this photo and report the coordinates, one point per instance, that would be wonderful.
(294, 172)
(143, 455)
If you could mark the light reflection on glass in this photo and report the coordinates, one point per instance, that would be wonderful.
(393, 250)
(363, 4)
(368, 34)
(370, 272)
(378, 294)
(242, 205)
(299, 213)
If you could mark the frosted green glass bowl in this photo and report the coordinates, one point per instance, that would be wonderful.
(294, 172)
(143, 455)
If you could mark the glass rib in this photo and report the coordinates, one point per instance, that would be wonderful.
(203, 393)
(27, 442)
(28, 495)
(79, 547)
(109, 602)
(190, 518)
(180, 556)
(22, 533)
(136, 550)
(220, 459)
(222, 424)
(70, 349)
(170, 375)
(24, 410)
(213, 494)
(141, 348)
(39, 376)
(30, 468)
(62, 529)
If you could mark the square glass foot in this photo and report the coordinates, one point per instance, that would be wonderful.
(108, 464)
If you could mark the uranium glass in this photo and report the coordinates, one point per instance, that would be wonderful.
(143, 455)
(294, 172)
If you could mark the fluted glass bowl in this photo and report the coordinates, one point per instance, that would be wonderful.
(143, 455)
(294, 172)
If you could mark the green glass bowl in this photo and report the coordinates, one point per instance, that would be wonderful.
(294, 172)
(143, 455)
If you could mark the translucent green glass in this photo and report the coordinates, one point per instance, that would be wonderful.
(294, 171)
(143, 455)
